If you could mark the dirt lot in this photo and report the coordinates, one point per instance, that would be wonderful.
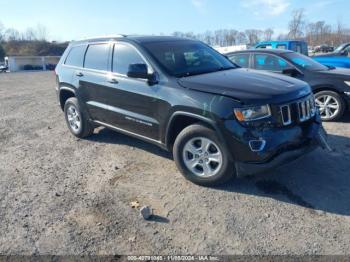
(62, 195)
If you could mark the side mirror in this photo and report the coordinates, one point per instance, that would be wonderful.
(290, 72)
(138, 71)
(141, 71)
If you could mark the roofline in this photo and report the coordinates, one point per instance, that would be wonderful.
(272, 50)
(100, 38)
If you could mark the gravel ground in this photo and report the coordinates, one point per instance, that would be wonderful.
(62, 195)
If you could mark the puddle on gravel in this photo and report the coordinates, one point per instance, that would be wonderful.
(271, 187)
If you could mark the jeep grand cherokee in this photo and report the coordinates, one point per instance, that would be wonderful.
(219, 120)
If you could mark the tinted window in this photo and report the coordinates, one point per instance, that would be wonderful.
(348, 50)
(185, 58)
(97, 57)
(76, 56)
(264, 47)
(125, 55)
(240, 59)
(305, 62)
(269, 62)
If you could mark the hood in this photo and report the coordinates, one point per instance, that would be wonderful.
(343, 73)
(248, 86)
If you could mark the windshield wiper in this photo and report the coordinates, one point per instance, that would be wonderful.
(206, 71)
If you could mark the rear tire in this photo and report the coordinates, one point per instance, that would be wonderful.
(201, 156)
(330, 104)
(77, 121)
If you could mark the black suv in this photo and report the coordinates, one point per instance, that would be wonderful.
(182, 95)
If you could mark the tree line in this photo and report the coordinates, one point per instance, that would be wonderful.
(33, 41)
(315, 33)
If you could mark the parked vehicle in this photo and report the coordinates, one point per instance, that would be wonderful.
(330, 85)
(297, 46)
(3, 68)
(324, 49)
(182, 95)
(339, 58)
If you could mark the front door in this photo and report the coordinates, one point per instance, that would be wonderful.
(132, 102)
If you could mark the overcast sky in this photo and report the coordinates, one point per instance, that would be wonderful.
(74, 19)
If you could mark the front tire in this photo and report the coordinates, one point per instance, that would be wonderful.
(201, 156)
(330, 104)
(77, 121)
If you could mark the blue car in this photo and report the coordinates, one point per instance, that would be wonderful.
(339, 58)
(296, 46)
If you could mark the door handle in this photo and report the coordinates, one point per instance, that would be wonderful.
(113, 81)
(79, 74)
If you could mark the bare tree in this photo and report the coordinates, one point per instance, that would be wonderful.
(268, 33)
(30, 34)
(41, 32)
(297, 24)
(253, 36)
(12, 34)
(241, 38)
(2, 28)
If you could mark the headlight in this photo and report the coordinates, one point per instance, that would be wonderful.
(252, 113)
(347, 83)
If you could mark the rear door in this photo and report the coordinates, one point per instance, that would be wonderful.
(93, 79)
(132, 102)
(241, 59)
(269, 62)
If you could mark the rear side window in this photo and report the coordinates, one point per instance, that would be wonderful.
(97, 57)
(269, 63)
(281, 47)
(264, 47)
(76, 56)
(123, 56)
(240, 59)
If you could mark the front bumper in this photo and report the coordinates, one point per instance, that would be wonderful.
(283, 145)
(246, 169)
(346, 97)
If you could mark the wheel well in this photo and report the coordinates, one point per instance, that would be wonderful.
(178, 124)
(325, 88)
(64, 95)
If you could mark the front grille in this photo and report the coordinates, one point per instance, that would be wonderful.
(286, 115)
(302, 110)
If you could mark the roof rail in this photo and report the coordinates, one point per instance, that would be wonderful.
(103, 37)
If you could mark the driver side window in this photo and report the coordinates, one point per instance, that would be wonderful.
(123, 56)
(270, 63)
(347, 51)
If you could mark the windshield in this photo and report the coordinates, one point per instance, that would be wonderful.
(186, 58)
(339, 48)
(305, 62)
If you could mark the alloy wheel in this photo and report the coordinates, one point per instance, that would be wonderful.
(328, 106)
(74, 119)
(202, 157)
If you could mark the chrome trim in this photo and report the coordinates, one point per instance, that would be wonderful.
(262, 145)
(124, 112)
(289, 120)
(127, 132)
(306, 108)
